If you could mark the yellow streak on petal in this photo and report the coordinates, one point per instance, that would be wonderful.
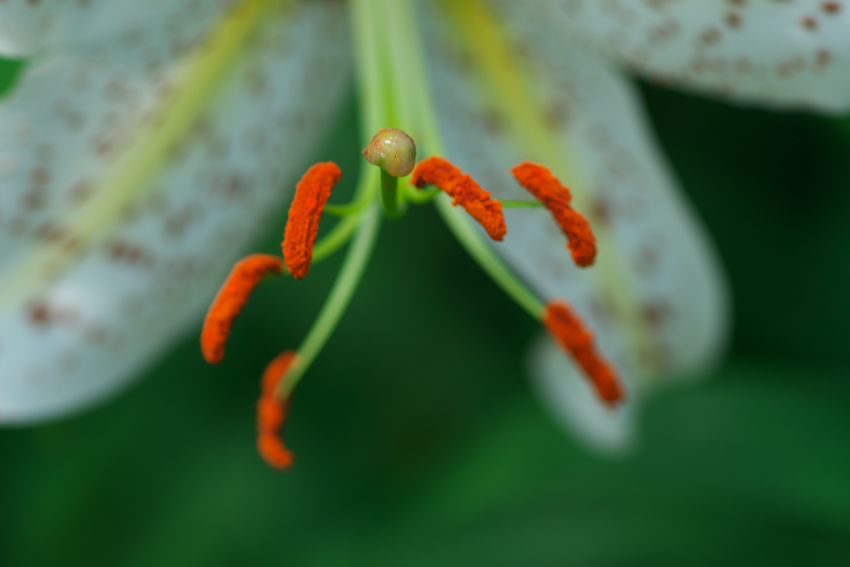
(145, 155)
(482, 37)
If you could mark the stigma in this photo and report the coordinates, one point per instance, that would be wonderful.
(393, 151)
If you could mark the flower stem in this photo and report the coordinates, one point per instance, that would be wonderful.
(521, 204)
(417, 116)
(336, 238)
(349, 209)
(340, 296)
(420, 196)
(481, 252)
(389, 195)
(375, 113)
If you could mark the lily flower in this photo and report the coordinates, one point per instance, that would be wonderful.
(143, 143)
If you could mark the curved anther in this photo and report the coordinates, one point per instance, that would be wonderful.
(302, 226)
(246, 274)
(464, 190)
(273, 413)
(556, 197)
(569, 332)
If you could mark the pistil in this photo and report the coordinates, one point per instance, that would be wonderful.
(394, 152)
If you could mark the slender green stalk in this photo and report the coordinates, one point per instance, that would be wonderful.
(374, 110)
(389, 195)
(481, 251)
(521, 204)
(410, 82)
(340, 296)
(343, 210)
(369, 78)
(352, 208)
(335, 239)
(420, 196)
(340, 234)
(393, 93)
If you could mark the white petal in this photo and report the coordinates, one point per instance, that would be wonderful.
(99, 321)
(656, 296)
(786, 54)
(72, 113)
(27, 27)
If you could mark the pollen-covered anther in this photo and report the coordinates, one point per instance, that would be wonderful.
(465, 191)
(546, 188)
(569, 332)
(231, 298)
(302, 226)
(273, 413)
(393, 151)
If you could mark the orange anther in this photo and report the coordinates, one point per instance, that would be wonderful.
(311, 194)
(232, 297)
(464, 190)
(546, 188)
(272, 414)
(568, 331)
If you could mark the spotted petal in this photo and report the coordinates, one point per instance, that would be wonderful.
(655, 296)
(784, 54)
(28, 27)
(104, 257)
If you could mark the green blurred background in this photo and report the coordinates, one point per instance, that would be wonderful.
(417, 439)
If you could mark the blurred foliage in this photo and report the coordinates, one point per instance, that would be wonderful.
(417, 440)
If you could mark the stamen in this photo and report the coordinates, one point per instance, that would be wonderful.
(568, 331)
(273, 413)
(311, 194)
(465, 191)
(540, 182)
(231, 298)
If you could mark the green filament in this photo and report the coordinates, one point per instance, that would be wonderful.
(420, 196)
(375, 112)
(417, 116)
(394, 93)
(521, 204)
(340, 295)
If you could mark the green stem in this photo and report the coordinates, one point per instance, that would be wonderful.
(481, 251)
(343, 289)
(344, 210)
(352, 208)
(420, 196)
(389, 195)
(335, 239)
(417, 116)
(521, 204)
(374, 112)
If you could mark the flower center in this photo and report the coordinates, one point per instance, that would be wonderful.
(394, 94)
